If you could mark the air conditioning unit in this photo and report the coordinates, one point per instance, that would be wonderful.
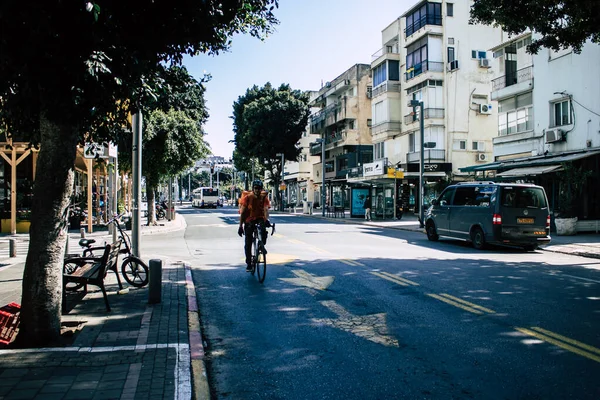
(485, 109)
(554, 135)
(327, 84)
(484, 63)
(481, 157)
(452, 65)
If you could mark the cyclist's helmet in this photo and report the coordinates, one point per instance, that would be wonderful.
(257, 182)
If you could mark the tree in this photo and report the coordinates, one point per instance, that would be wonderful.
(560, 23)
(268, 121)
(178, 91)
(82, 70)
(173, 141)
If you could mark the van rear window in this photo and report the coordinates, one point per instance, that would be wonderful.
(523, 197)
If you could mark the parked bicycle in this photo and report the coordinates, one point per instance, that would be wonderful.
(259, 252)
(133, 269)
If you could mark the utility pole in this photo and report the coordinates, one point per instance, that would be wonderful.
(322, 142)
(414, 104)
(136, 168)
(282, 184)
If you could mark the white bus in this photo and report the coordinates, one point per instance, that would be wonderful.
(204, 197)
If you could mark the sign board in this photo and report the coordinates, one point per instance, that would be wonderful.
(282, 186)
(373, 169)
(398, 174)
(92, 150)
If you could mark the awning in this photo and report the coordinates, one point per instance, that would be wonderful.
(538, 161)
(529, 171)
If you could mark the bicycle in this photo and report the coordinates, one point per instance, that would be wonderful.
(259, 253)
(133, 269)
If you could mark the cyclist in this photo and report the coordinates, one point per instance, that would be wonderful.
(254, 207)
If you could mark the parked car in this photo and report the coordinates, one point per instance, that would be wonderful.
(507, 214)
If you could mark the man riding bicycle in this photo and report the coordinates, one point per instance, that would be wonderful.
(254, 207)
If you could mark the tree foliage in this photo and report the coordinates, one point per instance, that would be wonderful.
(268, 121)
(71, 75)
(560, 23)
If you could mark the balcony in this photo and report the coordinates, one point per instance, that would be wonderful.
(430, 155)
(429, 113)
(387, 86)
(514, 83)
(391, 52)
(421, 22)
(418, 69)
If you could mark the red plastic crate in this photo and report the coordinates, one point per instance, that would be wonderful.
(9, 322)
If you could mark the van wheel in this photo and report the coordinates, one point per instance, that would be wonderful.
(431, 232)
(478, 238)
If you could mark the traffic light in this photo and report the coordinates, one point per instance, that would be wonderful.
(212, 169)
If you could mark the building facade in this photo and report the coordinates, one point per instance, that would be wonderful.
(341, 118)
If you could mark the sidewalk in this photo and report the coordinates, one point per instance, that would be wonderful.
(138, 350)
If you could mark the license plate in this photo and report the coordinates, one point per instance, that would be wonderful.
(525, 221)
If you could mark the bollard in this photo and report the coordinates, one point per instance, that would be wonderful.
(155, 282)
(82, 232)
(12, 247)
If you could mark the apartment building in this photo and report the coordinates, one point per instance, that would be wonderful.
(548, 114)
(430, 55)
(342, 119)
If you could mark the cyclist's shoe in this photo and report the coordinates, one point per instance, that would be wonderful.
(264, 249)
(248, 267)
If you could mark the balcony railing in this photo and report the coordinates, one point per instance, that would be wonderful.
(421, 22)
(386, 126)
(393, 49)
(388, 86)
(430, 155)
(429, 113)
(425, 66)
(522, 75)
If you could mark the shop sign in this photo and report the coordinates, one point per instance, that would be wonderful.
(373, 169)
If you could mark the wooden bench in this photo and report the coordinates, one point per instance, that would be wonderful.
(92, 271)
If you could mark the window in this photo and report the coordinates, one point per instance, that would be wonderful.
(459, 145)
(446, 197)
(411, 142)
(351, 124)
(416, 55)
(515, 114)
(394, 68)
(451, 56)
(562, 113)
(478, 146)
(465, 196)
(380, 74)
(478, 54)
(427, 14)
(450, 9)
(378, 151)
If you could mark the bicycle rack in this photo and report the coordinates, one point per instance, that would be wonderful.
(9, 322)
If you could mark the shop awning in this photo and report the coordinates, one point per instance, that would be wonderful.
(534, 162)
(528, 171)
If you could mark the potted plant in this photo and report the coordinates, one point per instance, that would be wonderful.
(571, 180)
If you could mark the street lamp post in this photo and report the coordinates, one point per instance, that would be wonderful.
(282, 180)
(414, 104)
(322, 141)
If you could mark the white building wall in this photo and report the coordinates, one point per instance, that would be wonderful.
(575, 75)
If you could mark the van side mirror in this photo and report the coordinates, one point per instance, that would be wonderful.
(435, 202)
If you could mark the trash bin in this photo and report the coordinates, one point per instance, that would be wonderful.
(304, 207)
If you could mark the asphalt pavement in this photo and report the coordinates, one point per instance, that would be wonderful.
(140, 350)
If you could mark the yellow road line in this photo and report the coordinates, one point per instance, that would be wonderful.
(487, 310)
(389, 278)
(401, 279)
(455, 304)
(567, 340)
(558, 343)
(351, 262)
(295, 241)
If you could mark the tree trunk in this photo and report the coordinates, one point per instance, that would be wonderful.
(151, 203)
(42, 279)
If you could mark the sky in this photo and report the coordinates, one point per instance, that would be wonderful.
(315, 41)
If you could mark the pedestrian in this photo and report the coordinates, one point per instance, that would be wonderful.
(367, 207)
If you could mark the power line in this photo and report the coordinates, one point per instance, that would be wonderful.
(593, 112)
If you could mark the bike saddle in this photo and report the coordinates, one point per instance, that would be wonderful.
(86, 242)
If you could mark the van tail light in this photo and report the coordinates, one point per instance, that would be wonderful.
(497, 219)
(548, 222)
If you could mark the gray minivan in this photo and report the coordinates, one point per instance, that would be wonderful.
(510, 214)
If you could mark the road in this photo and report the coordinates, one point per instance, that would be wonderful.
(357, 312)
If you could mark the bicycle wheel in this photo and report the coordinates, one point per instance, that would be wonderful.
(68, 268)
(254, 249)
(135, 271)
(261, 263)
